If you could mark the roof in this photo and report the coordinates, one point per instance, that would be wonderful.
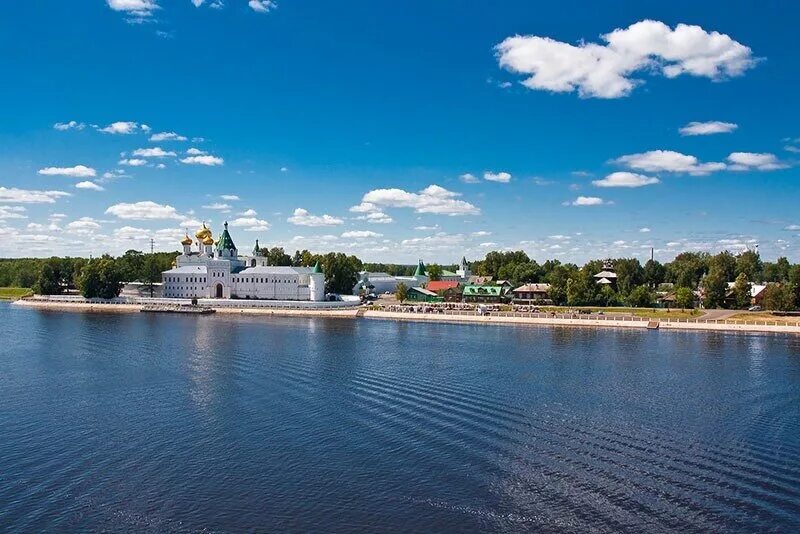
(445, 272)
(274, 269)
(483, 290)
(479, 279)
(188, 269)
(225, 240)
(606, 274)
(423, 291)
(755, 289)
(604, 281)
(317, 268)
(420, 269)
(533, 288)
(441, 285)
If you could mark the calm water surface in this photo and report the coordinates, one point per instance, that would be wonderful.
(141, 423)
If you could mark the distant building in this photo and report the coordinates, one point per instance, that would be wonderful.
(378, 283)
(214, 269)
(441, 285)
(419, 294)
(757, 293)
(607, 276)
(532, 293)
(486, 294)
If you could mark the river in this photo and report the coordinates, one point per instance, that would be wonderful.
(159, 423)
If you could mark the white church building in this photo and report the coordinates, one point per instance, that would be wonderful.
(214, 269)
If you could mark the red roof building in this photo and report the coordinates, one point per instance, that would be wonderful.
(440, 285)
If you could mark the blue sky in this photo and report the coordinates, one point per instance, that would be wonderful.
(399, 130)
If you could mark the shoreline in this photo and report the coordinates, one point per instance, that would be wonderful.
(354, 313)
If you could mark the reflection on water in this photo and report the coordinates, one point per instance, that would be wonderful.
(172, 423)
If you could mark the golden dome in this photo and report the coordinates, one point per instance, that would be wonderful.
(208, 240)
(186, 241)
(203, 233)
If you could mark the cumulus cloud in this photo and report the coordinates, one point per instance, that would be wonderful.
(746, 161)
(12, 195)
(125, 128)
(605, 70)
(586, 201)
(626, 179)
(438, 241)
(502, 177)
(302, 217)
(708, 128)
(668, 161)
(138, 8)
(262, 6)
(432, 199)
(71, 125)
(250, 224)
(249, 213)
(469, 178)
(133, 162)
(375, 217)
(154, 152)
(361, 234)
(167, 136)
(89, 185)
(644, 230)
(84, 225)
(144, 210)
(78, 171)
(207, 160)
(230, 197)
(217, 206)
(12, 212)
(196, 152)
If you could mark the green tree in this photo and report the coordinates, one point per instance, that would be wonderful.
(640, 297)
(50, 278)
(749, 263)
(687, 269)
(277, 257)
(654, 273)
(782, 297)
(434, 271)
(715, 288)
(100, 278)
(629, 274)
(684, 297)
(341, 272)
(741, 292)
(725, 262)
(401, 293)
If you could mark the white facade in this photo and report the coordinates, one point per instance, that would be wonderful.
(209, 269)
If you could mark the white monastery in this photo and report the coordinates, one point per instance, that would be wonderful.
(214, 269)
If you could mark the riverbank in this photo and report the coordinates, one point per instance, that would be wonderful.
(584, 321)
(449, 316)
(115, 307)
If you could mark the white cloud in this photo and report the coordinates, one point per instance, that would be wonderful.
(250, 224)
(302, 217)
(133, 162)
(78, 171)
(131, 233)
(745, 161)
(668, 161)
(626, 179)
(143, 210)
(502, 177)
(154, 152)
(262, 6)
(217, 206)
(435, 227)
(138, 8)
(196, 152)
(375, 217)
(586, 201)
(84, 225)
(230, 197)
(438, 241)
(125, 128)
(12, 212)
(71, 125)
(113, 175)
(249, 213)
(13, 195)
(284, 169)
(708, 128)
(432, 199)
(89, 185)
(203, 160)
(481, 233)
(644, 230)
(361, 234)
(469, 178)
(167, 136)
(792, 227)
(604, 70)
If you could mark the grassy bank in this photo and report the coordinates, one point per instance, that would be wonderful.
(764, 316)
(649, 313)
(14, 293)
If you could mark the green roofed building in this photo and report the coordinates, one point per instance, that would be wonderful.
(419, 294)
(488, 294)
